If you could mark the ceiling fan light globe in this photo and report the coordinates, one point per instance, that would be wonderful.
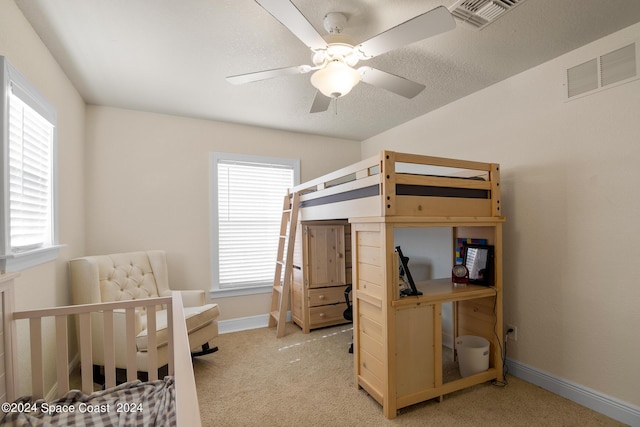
(336, 79)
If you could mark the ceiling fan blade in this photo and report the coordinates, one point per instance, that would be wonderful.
(320, 103)
(390, 82)
(289, 16)
(423, 26)
(268, 74)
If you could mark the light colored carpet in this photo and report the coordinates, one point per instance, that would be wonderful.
(256, 379)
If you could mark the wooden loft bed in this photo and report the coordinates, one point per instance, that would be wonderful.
(399, 184)
(398, 356)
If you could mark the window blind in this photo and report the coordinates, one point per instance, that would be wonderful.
(250, 197)
(30, 177)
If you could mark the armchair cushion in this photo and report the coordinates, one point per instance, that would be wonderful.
(189, 298)
(196, 317)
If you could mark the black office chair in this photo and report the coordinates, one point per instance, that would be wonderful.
(348, 312)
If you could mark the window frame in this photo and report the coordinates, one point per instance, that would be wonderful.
(12, 260)
(214, 158)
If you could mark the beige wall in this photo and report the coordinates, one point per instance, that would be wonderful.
(147, 177)
(46, 285)
(569, 177)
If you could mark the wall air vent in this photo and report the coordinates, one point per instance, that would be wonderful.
(616, 67)
(480, 13)
(582, 78)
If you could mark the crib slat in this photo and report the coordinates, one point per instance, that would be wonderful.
(152, 344)
(37, 378)
(170, 332)
(62, 354)
(109, 350)
(132, 371)
(86, 361)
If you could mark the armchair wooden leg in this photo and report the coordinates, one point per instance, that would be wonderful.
(205, 350)
(98, 376)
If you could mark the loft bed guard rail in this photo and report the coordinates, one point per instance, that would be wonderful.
(400, 184)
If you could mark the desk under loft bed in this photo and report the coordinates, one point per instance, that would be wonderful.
(398, 356)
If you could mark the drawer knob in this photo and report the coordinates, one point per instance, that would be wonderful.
(321, 297)
(322, 314)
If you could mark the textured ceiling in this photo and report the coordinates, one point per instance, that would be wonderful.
(172, 56)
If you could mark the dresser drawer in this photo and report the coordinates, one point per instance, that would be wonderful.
(327, 314)
(324, 296)
(371, 369)
(372, 330)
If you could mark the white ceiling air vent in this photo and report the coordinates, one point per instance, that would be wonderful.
(616, 67)
(480, 13)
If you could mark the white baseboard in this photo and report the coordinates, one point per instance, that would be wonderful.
(245, 323)
(592, 399)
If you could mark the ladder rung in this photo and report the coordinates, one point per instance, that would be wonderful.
(275, 314)
(280, 262)
(278, 288)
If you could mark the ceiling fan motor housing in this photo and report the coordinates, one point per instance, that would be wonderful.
(336, 51)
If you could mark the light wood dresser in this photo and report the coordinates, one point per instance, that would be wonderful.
(321, 273)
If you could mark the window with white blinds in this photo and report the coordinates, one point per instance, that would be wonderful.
(30, 178)
(247, 197)
(28, 232)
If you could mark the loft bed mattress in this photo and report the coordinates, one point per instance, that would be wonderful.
(399, 184)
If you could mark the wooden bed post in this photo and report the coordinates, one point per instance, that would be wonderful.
(494, 176)
(390, 293)
(9, 335)
(388, 182)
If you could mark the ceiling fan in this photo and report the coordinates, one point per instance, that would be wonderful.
(335, 58)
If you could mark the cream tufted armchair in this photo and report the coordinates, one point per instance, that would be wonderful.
(137, 275)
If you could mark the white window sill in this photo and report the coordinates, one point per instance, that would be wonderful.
(29, 259)
(253, 290)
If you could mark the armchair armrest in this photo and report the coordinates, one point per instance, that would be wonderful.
(191, 298)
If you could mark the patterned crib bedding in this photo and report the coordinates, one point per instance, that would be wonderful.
(135, 403)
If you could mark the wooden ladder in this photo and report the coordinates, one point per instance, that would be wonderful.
(282, 283)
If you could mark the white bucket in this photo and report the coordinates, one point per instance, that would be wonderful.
(473, 354)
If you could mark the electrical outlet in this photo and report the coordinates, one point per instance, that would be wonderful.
(513, 335)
